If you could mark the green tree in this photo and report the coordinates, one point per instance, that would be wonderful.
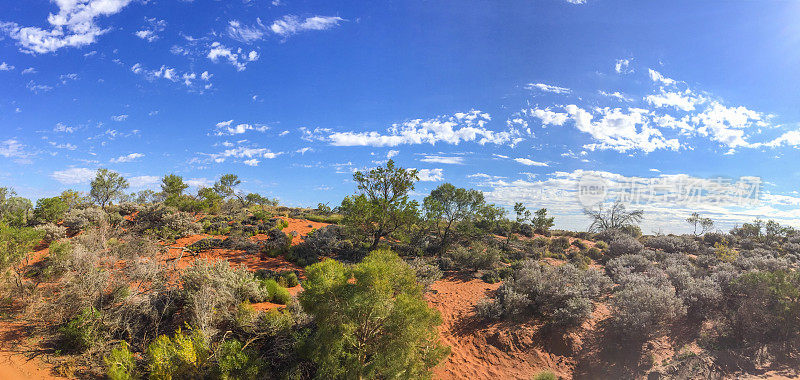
(371, 320)
(73, 199)
(50, 210)
(14, 210)
(617, 217)
(522, 214)
(705, 224)
(382, 206)
(172, 185)
(226, 185)
(107, 186)
(447, 206)
(541, 223)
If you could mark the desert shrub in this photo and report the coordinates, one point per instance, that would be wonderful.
(277, 244)
(641, 308)
(478, 256)
(242, 243)
(81, 331)
(184, 356)
(671, 244)
(205, 244)
(489, 309)
(15, 243)
(579, 244)
(561, 295)
(624, 265)
(135, 247)
(328, 241)
(545, 375)
(212, 291)
(712, 238)
(276, 292)
(559, 244)
(120, 364)
(379, 316)
(289, 280)
(166, 223)
(702, 297)
(497, 274)
(79, 219)
(601, 245)
(764, 307)
(594, 253)
(725, 253)
(50, 210)
(129, 208)
(52, 232)
(624, 245)
(427, 273)
(234, 362)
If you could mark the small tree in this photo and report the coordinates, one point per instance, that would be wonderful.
(541, 223)
(73, 199)
(50, 210)
(172, 185)
(107, 186)
(449, 205)
(705, 224)
(522, 214)
(372, 321)
(615, 218)
(383, 205)
(226, 185)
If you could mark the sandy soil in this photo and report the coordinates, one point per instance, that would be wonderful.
(17, 359)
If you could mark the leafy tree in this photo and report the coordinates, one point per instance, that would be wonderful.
(260, 200)
(383, 206)
(50, 210)
(371, 320)
(107, 186)
(447, 206)
(226, 185)
(615, 218)
(522, 213)
(705, 224)
(172, 185)
(541, 223)
(73, 199)
(209, 199)
(765, 307)
(14, 210)
(147, 196)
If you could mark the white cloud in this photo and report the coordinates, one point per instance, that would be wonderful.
(244, 33)
(303, 150)
(6, 67)
(150, 32)
(443, 160)
(242, 152)
(616, 95)
(73, 26)
(466, 127)
(251, 162)
(61, 127)
(36, 87)
(127, 158)
(171, 74)
(290, 24)
(226, 128)
(549, 117)
(67, 146)
(29, 70)
(655, 76)
(431, 175)
(549, 88)
(622, 66)
(392, 153)
(199, 182)
(529, 162)
(576, 2)
(237, 58)
(143, 181)
(119, 117)
(74, 176)
(681, 100)
(12, 148)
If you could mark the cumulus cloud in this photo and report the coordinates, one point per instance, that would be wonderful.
(238, 58)
(74, 25)
(460, 127)
(623, 66)
(119, 117)
(226, 128)
(61, 127)
(74, 176)
(143, 181)
(127, 158)
(431, 175)
(655, 76)
(6, 67)
(188, 79)
(12, 148)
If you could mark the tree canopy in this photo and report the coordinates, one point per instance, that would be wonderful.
(107, 186)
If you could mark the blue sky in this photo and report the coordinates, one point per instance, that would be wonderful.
(519, 99)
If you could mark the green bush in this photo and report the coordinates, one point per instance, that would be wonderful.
(235, 363)
(80, 332)
(120, 364)
(545, 375)
(184, 356)
(50, 210)
(277, 293)
(479, 256)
